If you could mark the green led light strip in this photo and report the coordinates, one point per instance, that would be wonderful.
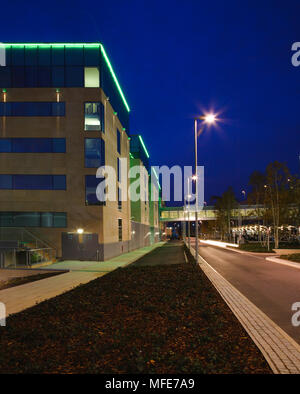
(76, 45)
(143, 145)
(155, 173)
(114, 77)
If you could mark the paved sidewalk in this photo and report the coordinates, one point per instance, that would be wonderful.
(104, 266)
(279, 349)
(25, 296)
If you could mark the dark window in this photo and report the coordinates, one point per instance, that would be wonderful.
(74, 76)
(119, 198)
(33, 219)
(58, 56)
(18, 77)
(58, 76)
(91, 184)
(5, 78)
(31, 56)
(33, 182)
(120, 228)
(119, 169)
(31, 76)
(59, 145)
(46, 219)
(59, 219)
(118, 141)
(32, 109)
(91, 56)
(44, 77)
(17, 56)
(94, 116)
(44, 56)
(94, 152)
(74, 56)
(5, 145)
(5, 181)
(24, 219)
(32, 145)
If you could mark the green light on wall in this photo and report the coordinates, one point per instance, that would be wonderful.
(143, 145)
(75, 45)
(156, 176)
(114, 77)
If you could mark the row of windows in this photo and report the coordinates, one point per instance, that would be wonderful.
(44, 77)
(53, 182)
(32, 145)
(32, 109)
(57, 56)
(33, 219)
(32, 182)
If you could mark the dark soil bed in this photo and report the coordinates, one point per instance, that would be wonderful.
(159, 319)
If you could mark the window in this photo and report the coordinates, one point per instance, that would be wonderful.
(119, 169)
(18, 76)
(91, 56)
(33, 182)
(32, 109)
(5, 77)
(31, 76)
(33, 219)
(119, 199)
(94, 152)
(91, 77)
(58, 76)
(58, 56)
(32, 145)
(94, 116)
(120, 229)
(91, 183)
(74, 76)
(44, 56)
(118, 141)
(74, 56)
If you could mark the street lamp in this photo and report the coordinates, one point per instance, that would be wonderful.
(209, 119)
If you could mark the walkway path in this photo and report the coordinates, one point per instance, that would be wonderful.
(24, 296)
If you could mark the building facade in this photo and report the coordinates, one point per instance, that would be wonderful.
(62, 115)
(145, 210)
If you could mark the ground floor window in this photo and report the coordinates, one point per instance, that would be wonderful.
(33, 219)
(120, 227)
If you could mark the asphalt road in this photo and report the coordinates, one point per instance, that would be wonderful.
(272, 287)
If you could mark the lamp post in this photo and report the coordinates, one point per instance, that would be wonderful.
(208, 118)
(189, 225)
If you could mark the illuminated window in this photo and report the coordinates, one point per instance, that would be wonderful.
(91, 77)
(94, 116)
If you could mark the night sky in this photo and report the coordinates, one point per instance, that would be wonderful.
(176, 59)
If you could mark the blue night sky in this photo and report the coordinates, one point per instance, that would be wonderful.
(177, 58)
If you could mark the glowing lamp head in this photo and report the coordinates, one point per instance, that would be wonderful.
(209, 118)
(80, 231)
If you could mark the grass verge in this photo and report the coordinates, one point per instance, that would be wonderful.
(292, 257)
(158, 319)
